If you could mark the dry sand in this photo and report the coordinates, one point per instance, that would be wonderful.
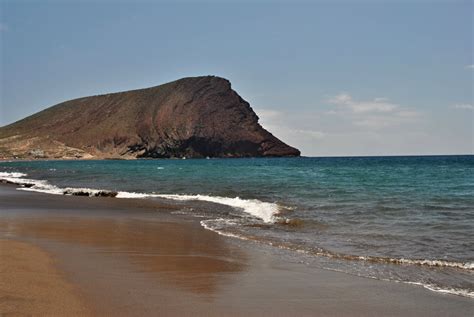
(133, 258)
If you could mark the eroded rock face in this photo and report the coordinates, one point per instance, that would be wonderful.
(190, 117)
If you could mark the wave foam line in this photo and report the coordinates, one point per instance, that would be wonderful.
(206, 225)
(263, 210)
(442, 263)
(218, 226)
(420, 262)
(451, 291)
(469, 266)
(133, 195)
(29, 184)
(430, 287)
(215, 225)
(12, 174)
(260, 209)
(42, 186)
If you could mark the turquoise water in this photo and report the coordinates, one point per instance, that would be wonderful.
(408, 219)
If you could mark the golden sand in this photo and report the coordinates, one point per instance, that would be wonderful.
(30, 284)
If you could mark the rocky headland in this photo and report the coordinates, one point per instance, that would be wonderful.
(191, 117)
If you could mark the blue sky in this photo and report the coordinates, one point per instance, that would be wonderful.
(331, 78)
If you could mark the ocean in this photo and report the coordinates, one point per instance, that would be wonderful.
(401, 219)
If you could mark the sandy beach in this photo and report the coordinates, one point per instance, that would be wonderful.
(30, 283)
(64, 255)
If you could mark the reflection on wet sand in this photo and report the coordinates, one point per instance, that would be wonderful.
(183, 255)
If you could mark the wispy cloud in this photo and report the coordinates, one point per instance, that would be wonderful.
(310, 133)
(470, 66)
(375, 113)
(376, 105)
(463, 106)
(290, 126)
(290, 133)
(268, 113)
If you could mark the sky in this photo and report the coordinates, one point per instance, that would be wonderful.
(332, 78)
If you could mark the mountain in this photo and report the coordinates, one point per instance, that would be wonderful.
(190, 117)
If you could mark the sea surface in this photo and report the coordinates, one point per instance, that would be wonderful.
(402, 219)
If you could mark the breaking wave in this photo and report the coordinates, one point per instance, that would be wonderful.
(262, 210)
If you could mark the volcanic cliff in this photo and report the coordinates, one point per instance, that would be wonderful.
(190, 117)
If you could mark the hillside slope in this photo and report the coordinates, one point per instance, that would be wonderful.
(190, 117)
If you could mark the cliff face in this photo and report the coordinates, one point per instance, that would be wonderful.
(190, 117)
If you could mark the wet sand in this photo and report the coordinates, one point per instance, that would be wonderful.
(116, 257)
(30, 284)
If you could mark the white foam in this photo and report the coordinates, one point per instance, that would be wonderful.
(11, 174)
(33, 185)
(452, 291)
(263, 210)
(89, 191)
(206, 224)
(132, 195)
(434, 288)
(443, 263)
(21, 181)
(43, 187)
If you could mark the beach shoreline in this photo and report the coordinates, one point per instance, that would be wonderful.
(133, 257)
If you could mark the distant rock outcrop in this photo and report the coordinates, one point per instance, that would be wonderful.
(190, 117)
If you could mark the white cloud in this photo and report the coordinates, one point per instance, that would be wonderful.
(346, 101)
(293, 128)
(268, 113)
(372, 123)
(310, 133)
(464, 106)
(376, 122)
(342, 98)
(295, 136)
(343, 124)
(376, 113)
(470, 66)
